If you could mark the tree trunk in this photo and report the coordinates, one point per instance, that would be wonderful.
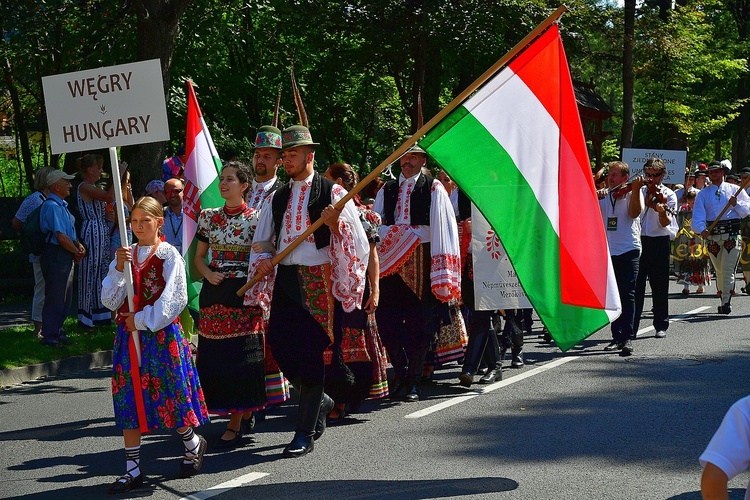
(23, 136)
(157, 25)
(628, 107)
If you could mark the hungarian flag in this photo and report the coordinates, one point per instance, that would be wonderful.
(516, 148)
(202, 167)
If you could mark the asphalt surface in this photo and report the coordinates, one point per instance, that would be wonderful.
(584, 424)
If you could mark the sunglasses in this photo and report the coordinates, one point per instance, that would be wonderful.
(177, 191)
(651, 176)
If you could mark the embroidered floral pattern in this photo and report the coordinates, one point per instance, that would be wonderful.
(218, 322)
(316, 284)
(296, 224)
(347, 271)
(445, 277)
(229, 238)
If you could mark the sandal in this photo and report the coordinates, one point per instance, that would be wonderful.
(126, 483)
(195, 459)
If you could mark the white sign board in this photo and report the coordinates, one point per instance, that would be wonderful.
(106, 107)
(496, 285)
(675, 161)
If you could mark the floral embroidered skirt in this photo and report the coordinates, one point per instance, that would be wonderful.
(230, 355)
(169, 383)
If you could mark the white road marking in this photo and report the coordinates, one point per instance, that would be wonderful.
(676, 317)
(226, 486)
(536, 371)
(492, 387)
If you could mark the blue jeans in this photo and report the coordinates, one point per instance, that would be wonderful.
(626, 273)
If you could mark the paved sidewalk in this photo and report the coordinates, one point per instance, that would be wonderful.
(13, 315)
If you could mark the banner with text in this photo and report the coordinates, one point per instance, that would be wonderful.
(675, 161)
(496, 285)
(106, 107)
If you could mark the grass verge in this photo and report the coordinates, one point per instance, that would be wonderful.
(21, 348)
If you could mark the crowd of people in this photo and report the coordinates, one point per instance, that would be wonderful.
(363, 306)
(698, 225)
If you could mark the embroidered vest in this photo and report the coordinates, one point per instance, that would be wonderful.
(148, 285)
(420, 201)
(320, 197)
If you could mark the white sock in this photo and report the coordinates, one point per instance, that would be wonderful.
(191, 441)
(133, 460)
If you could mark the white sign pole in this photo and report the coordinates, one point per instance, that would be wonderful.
(127, 271)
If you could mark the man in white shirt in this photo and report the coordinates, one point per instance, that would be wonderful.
(419, 267)
(723, 240)
(658, 228)
(266, 161)
(326, 271)
(621, 210)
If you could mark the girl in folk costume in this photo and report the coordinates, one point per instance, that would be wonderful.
(356, 339)
(169, 393)
(230, 350)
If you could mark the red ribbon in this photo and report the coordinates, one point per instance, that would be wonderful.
(135, 374)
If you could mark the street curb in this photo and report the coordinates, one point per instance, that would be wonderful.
(64, 366)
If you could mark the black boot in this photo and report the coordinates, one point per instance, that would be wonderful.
(326, 405)
(310, 399)
(481, 329)
(517, 355)
(492, 350)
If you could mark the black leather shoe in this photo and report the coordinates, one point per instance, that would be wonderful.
(466, 379)
(302, 444)
(517, 361)
(491, 376)
(725, 309)
(248, 425)
(125, 483)
(228, 444)
(192, 468)
(413, 394)
(326, 405)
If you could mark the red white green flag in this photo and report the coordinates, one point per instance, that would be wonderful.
(202, 167)
(517, 149)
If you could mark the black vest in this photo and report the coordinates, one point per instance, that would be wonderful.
(419, 201)
(320, 197)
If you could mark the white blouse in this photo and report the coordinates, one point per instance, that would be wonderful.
(170, 303)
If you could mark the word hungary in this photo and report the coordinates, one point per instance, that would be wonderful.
(94, 87)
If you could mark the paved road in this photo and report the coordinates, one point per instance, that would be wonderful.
(585, 424)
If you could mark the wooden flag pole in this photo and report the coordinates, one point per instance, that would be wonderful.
(127, 271)
(418, 134)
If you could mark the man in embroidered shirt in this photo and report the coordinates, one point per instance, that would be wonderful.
(658, 228)
(723, 241)
(324, 273)
(266, 160)
(173, 214)
(419, 267)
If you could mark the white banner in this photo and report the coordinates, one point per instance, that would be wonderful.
(675, 161)
(496, 285)
(106, 107)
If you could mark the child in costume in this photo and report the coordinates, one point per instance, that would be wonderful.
(167, 392)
